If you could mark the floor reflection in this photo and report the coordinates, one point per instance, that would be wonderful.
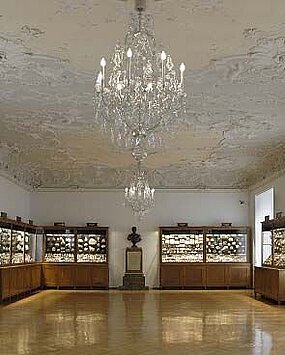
(154, 322)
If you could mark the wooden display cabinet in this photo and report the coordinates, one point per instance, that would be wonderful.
(269, 280)
(189, 257)
(75, 257)
(19, 274)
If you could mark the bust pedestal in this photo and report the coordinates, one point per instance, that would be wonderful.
(134, 278)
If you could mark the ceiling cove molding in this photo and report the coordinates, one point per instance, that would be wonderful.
(267, 181)
(16, 182)
(158, 190)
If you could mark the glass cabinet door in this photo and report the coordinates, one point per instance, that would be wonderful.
(18, 246)
(30, 245)
(91, 247)
(5, 245)
(279, 247)
(267, 248)
(179, 247)
(59, 247)
(226, 246)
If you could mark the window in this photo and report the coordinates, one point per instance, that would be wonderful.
(264, 206)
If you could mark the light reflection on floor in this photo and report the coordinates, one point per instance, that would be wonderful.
(151, 322)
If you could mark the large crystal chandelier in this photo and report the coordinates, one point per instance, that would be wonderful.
(139, 195)
(138, 96)
(139, 99)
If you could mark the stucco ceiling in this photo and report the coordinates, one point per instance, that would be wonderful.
(234, 52)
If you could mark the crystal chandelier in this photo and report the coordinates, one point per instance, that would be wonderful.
(139, 195)
(138, 96)
(138, 100)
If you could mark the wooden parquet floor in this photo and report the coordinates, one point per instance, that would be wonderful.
(148, 322)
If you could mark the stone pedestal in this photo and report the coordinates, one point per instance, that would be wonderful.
(134, 278)
(134, 281)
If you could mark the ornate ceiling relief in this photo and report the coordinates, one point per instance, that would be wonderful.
(236, 128)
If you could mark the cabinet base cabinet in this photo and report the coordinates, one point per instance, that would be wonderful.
(194, 276)
(216, 276)
(205, 275)
(75, 275)
(171, 276)
(270, 283)
(20, 279)
(240, 276)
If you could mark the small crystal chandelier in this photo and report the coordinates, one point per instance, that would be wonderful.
(138, 96)
(139, 195)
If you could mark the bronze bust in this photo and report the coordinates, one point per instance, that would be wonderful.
(134, 237)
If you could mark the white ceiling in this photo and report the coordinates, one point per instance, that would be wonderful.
(235, 79)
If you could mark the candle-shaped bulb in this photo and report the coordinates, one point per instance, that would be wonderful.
(129, 53)
(103, 62)
(163, 56)
(182, 67)
(99, 78)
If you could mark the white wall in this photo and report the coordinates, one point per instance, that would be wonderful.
(107, 208)
(14, 199)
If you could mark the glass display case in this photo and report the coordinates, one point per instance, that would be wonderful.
(182, 246)
(91, 247)
(59, 246)
(75, 244)
(204, 245)
(5, 244)
(205, 256)
(273, 243)
(224, 246)
(18, 242)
